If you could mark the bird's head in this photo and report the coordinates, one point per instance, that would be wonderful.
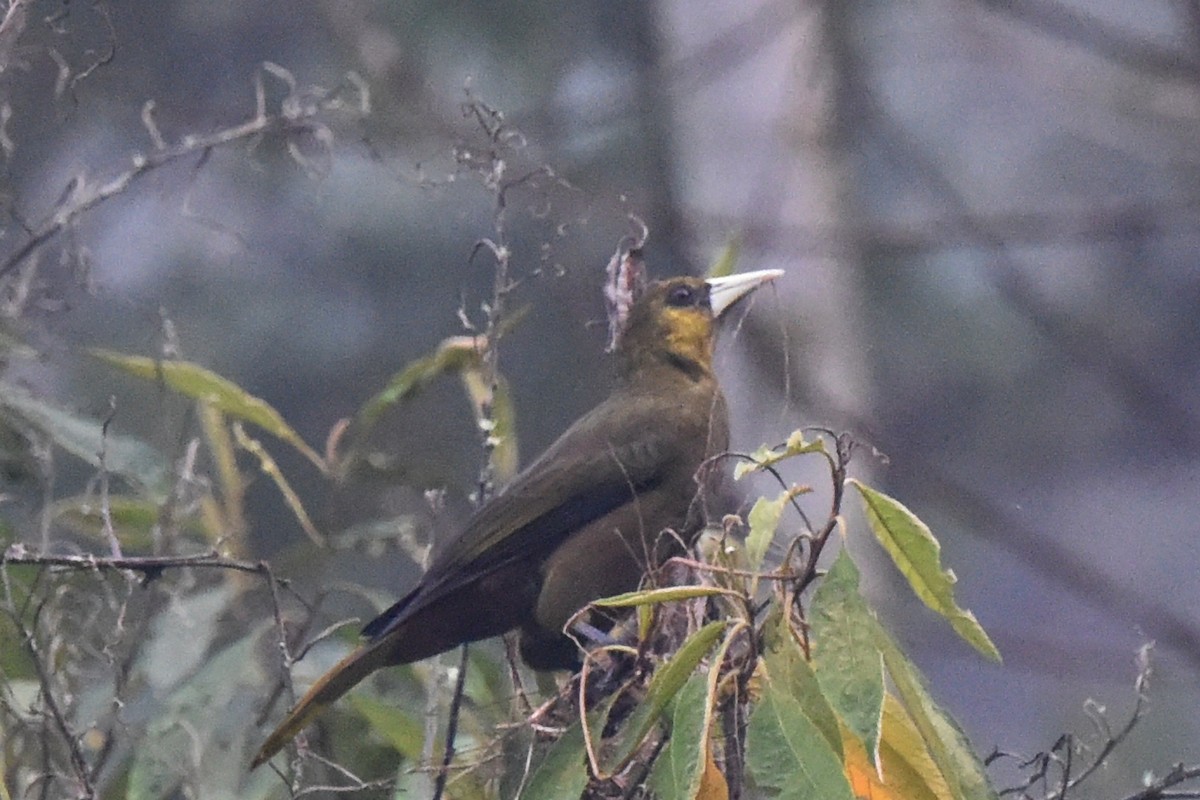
(675, 320)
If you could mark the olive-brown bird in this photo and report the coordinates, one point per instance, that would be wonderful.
(616, 493)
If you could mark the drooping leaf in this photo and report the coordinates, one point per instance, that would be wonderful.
(272, 471)
(132, 459)
(906, 761)
(945, 741)
(496, 415)
(231, 510)
(199, 383)
(451, 356)
(847, 661)
(491, 401)
(788, 754)
(917, 554)
(908, 771)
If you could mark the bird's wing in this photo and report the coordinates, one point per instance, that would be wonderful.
(599, 463)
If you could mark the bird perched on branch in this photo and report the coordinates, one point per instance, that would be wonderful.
(617, 493)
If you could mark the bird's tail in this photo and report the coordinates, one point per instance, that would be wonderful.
(332, 685)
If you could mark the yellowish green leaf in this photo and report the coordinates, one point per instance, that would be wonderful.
(229, 477)
(562, 773)
(764, 519)
(134, 519)
(665, 594)
(678, 767)
(917, 554)
(401, 729)
(786, 667)
(767, 456)
(199, 383)
(945, 742)
(272, 471)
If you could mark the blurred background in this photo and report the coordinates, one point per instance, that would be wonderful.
(987, 210)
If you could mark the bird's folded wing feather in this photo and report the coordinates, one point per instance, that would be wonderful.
(595, 466)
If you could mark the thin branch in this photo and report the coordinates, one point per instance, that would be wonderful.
(79, 764)
(1158, 789)
(149, 566)
(82, 196)
(460, 685)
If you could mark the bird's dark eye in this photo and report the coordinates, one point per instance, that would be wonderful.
(681, 296)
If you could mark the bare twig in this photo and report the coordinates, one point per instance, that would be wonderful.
(460, 684)
(149, 566)
(81, 196)
(1112, 739)
(79, 765)
(1159, 789)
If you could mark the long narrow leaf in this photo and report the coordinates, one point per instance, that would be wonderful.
(678, 768)
(84, 438)
(917, 554)
(199, 383)
(946, 742)
(668, 680)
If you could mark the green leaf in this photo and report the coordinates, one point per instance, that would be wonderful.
(134, 460)
(451, 356)
(907, 764)
(680, 764)
(947, 744)
(665, 594)
(668, 680)
(787, 753)
(764, 519)
(767, 456)
(197, 382)
(456, 355)
(787, 667)
(399, 728)
(269, 468)
(562, 774)
(917, 554)
(847, 661)
(493, 407)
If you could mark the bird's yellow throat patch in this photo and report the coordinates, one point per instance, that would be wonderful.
(688, 334)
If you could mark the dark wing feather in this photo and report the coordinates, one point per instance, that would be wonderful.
(598, 464)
